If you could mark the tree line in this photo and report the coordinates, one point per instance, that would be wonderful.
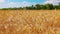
(37, 7)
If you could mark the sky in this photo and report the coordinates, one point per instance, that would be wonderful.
(23, 3)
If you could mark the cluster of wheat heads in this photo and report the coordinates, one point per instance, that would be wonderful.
(29, 22)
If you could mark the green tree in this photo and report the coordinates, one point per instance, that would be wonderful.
(37, 6)
(49, 6)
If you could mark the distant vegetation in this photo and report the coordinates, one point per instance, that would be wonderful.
(37, 7)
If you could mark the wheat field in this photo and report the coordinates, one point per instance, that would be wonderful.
(29, 21)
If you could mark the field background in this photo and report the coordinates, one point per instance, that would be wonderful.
(29, 21)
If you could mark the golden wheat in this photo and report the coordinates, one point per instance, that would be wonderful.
(29, 21)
